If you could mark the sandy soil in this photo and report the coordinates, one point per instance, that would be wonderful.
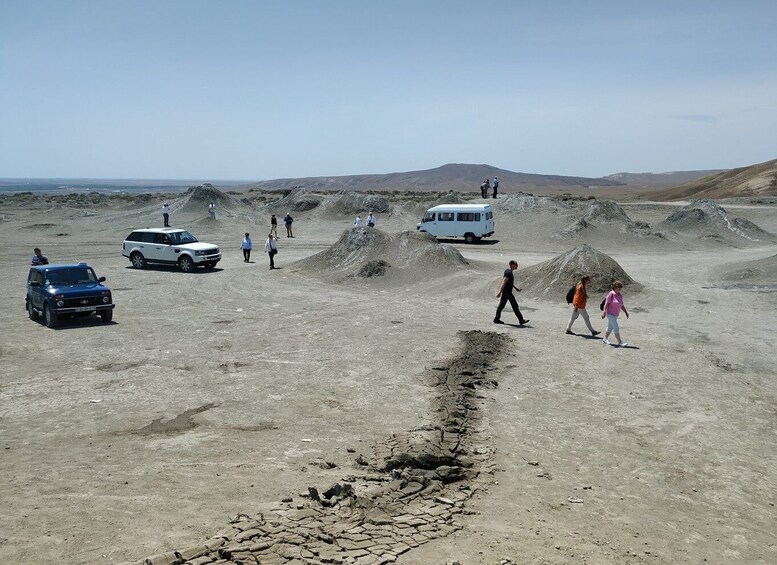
(222, 393)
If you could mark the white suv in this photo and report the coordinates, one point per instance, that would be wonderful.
(169, 246)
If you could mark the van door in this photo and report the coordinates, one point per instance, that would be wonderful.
(429, 223)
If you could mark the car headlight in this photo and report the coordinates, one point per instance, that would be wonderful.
(60, 303)
(106, 299)
(200, 252)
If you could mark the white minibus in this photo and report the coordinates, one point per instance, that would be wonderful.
(470, 221)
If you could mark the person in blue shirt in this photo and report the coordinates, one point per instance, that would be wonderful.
(246, 246)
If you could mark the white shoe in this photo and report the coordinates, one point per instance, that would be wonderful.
(622, 344)
(606, 341)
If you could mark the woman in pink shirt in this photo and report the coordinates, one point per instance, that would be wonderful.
(613, 305)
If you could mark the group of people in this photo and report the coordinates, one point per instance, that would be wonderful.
(371, 221)
(271, 245)
(612, 305)
(488, 185)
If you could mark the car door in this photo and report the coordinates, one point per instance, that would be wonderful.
(164, 249)
(35, 288)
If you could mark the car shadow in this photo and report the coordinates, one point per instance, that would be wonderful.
(75, 323)
(173, 268)
(461, 241)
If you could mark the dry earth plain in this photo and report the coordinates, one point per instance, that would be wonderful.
(214, 400)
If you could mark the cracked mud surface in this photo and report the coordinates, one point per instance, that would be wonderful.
(411, 490)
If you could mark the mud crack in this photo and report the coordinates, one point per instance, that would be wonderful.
(411, 492)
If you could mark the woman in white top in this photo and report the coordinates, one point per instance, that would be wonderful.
(358, 222)
(271, 248)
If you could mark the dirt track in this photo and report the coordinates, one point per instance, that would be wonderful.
(224, 393)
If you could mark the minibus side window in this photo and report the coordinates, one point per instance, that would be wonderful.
(428, 217)
(445, 217)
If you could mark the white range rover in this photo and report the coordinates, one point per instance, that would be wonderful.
(169, 246)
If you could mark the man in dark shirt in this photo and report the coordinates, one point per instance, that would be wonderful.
(39, 258)
(506, 293)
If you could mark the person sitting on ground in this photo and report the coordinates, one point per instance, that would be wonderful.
(371, 219)
(39, 258)
(358, 222)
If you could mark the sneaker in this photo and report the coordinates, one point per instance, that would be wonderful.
(570, 332)
(622, 344)
(606, 341)
(498, 321)
(595, 333)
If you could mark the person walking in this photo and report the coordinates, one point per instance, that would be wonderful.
(506, 294)
(166, 214)
(371, 220)
(495, 184)
(274, 226)
(357, 222)
(39, 258)
(578, 306)
(271, 248)
(613, 304)
(246, 246)
(212, 210)
(288, 220)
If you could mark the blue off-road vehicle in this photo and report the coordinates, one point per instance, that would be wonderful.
(59, 291)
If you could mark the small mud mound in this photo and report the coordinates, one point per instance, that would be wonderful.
(197, 198)
(706, 220)
(351, 203)
(297, 200)
(608, 215)
(369, 252)
(519, 202)
(758, 272)
(552, 279)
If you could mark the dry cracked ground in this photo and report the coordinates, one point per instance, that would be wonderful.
(245, 415)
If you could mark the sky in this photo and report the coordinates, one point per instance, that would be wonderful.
(265, 89)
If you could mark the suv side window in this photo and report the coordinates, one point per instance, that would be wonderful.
(135, 236)
(162, 239)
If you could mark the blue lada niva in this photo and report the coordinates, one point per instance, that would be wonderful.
(59, 291)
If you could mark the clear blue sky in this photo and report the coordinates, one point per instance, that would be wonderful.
(259, 89)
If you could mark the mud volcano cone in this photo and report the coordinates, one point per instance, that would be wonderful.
(369, 252)
(553, 278)
(706, 220)
(196, 200)
(297, 200)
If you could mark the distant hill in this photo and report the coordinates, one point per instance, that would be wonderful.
(453, 176)
(755, 180)
(672, 178)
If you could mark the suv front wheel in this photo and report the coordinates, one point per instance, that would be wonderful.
(186, 264)
(49, 316)
(138, 261)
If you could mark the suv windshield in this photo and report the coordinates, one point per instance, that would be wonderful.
(181, 237)
(74, 275)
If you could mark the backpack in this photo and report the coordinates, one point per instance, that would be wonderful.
(601, 304)
(571, 294)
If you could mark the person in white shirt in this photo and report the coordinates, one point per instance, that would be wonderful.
(212, 211)
(246, 246)
(166, 214)
(358, 222)
(271, 248)
(371, 220)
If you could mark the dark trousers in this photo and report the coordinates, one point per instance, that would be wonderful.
(167, 220)
(246, 255)
(272, 258)
(288, 230)
(494, 192)
(513, 302)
